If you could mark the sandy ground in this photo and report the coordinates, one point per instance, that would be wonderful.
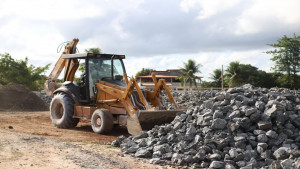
(29, 140)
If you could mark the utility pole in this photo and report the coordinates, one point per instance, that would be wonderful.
(184, 83)
(222, 79)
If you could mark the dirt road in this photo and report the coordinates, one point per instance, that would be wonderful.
(29, 140)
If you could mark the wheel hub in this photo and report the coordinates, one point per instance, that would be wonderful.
(59, 112)
(98, 121)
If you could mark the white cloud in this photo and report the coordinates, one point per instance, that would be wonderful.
(266, 15)
(186, 5)
(208, 8)
(21, 39)
(117, 26)
(50, 10)
(163, 62)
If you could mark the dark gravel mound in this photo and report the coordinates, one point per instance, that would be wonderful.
(16, 97)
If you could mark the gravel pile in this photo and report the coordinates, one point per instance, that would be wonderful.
(244, 127)
(188, 99)
(47, 99)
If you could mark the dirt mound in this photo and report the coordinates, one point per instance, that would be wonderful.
(16, 97)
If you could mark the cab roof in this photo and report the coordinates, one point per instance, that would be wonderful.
(92, 55)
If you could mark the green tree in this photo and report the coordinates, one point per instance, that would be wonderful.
(189, 69)
(238, 74)
(286, 56)
(216, 76)
(93, 50)
(267, 80)
(18, 71)
(144, 72)
(205, 84)
(249, 74)
(233, 74)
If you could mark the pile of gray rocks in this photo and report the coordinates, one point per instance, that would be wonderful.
(243, 127)
(47, 99)
(188, 98)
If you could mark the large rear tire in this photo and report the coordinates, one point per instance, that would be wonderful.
(102, 121)
(62, 111)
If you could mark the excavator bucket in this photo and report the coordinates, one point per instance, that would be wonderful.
(149, 118)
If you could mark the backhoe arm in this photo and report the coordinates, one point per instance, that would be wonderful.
(70, 66)
(153, 97)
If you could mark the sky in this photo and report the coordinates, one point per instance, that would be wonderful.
(156, 34)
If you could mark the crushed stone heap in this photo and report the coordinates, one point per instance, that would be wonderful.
(244, 127)
(47, 99)
(16, 97)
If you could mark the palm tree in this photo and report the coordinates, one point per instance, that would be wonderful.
(233, 74)
(188, 72)
(216, 76)
(93, 50)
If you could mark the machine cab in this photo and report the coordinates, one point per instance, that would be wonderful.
(104, 67)
(99, 67)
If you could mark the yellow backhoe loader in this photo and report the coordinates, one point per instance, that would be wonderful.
(104, 96)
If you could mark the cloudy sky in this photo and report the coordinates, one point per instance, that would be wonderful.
(157, 34)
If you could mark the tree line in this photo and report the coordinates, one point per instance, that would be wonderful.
(286, 58)
(238, 74)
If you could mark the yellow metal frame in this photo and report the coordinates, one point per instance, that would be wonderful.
(50, 83)
(123, 95)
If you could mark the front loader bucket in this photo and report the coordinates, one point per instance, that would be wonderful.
(149, 118)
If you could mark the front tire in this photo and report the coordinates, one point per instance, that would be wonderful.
(62, 111)
(102, 121)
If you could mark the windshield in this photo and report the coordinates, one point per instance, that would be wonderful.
(100, 69)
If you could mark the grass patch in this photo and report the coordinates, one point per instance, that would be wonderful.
(110, 146)
(85, 143)
(91, 143)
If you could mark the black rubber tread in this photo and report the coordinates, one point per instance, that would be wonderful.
(106, 119)
(62, 110)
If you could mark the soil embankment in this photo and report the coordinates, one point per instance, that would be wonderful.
(16, 97)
